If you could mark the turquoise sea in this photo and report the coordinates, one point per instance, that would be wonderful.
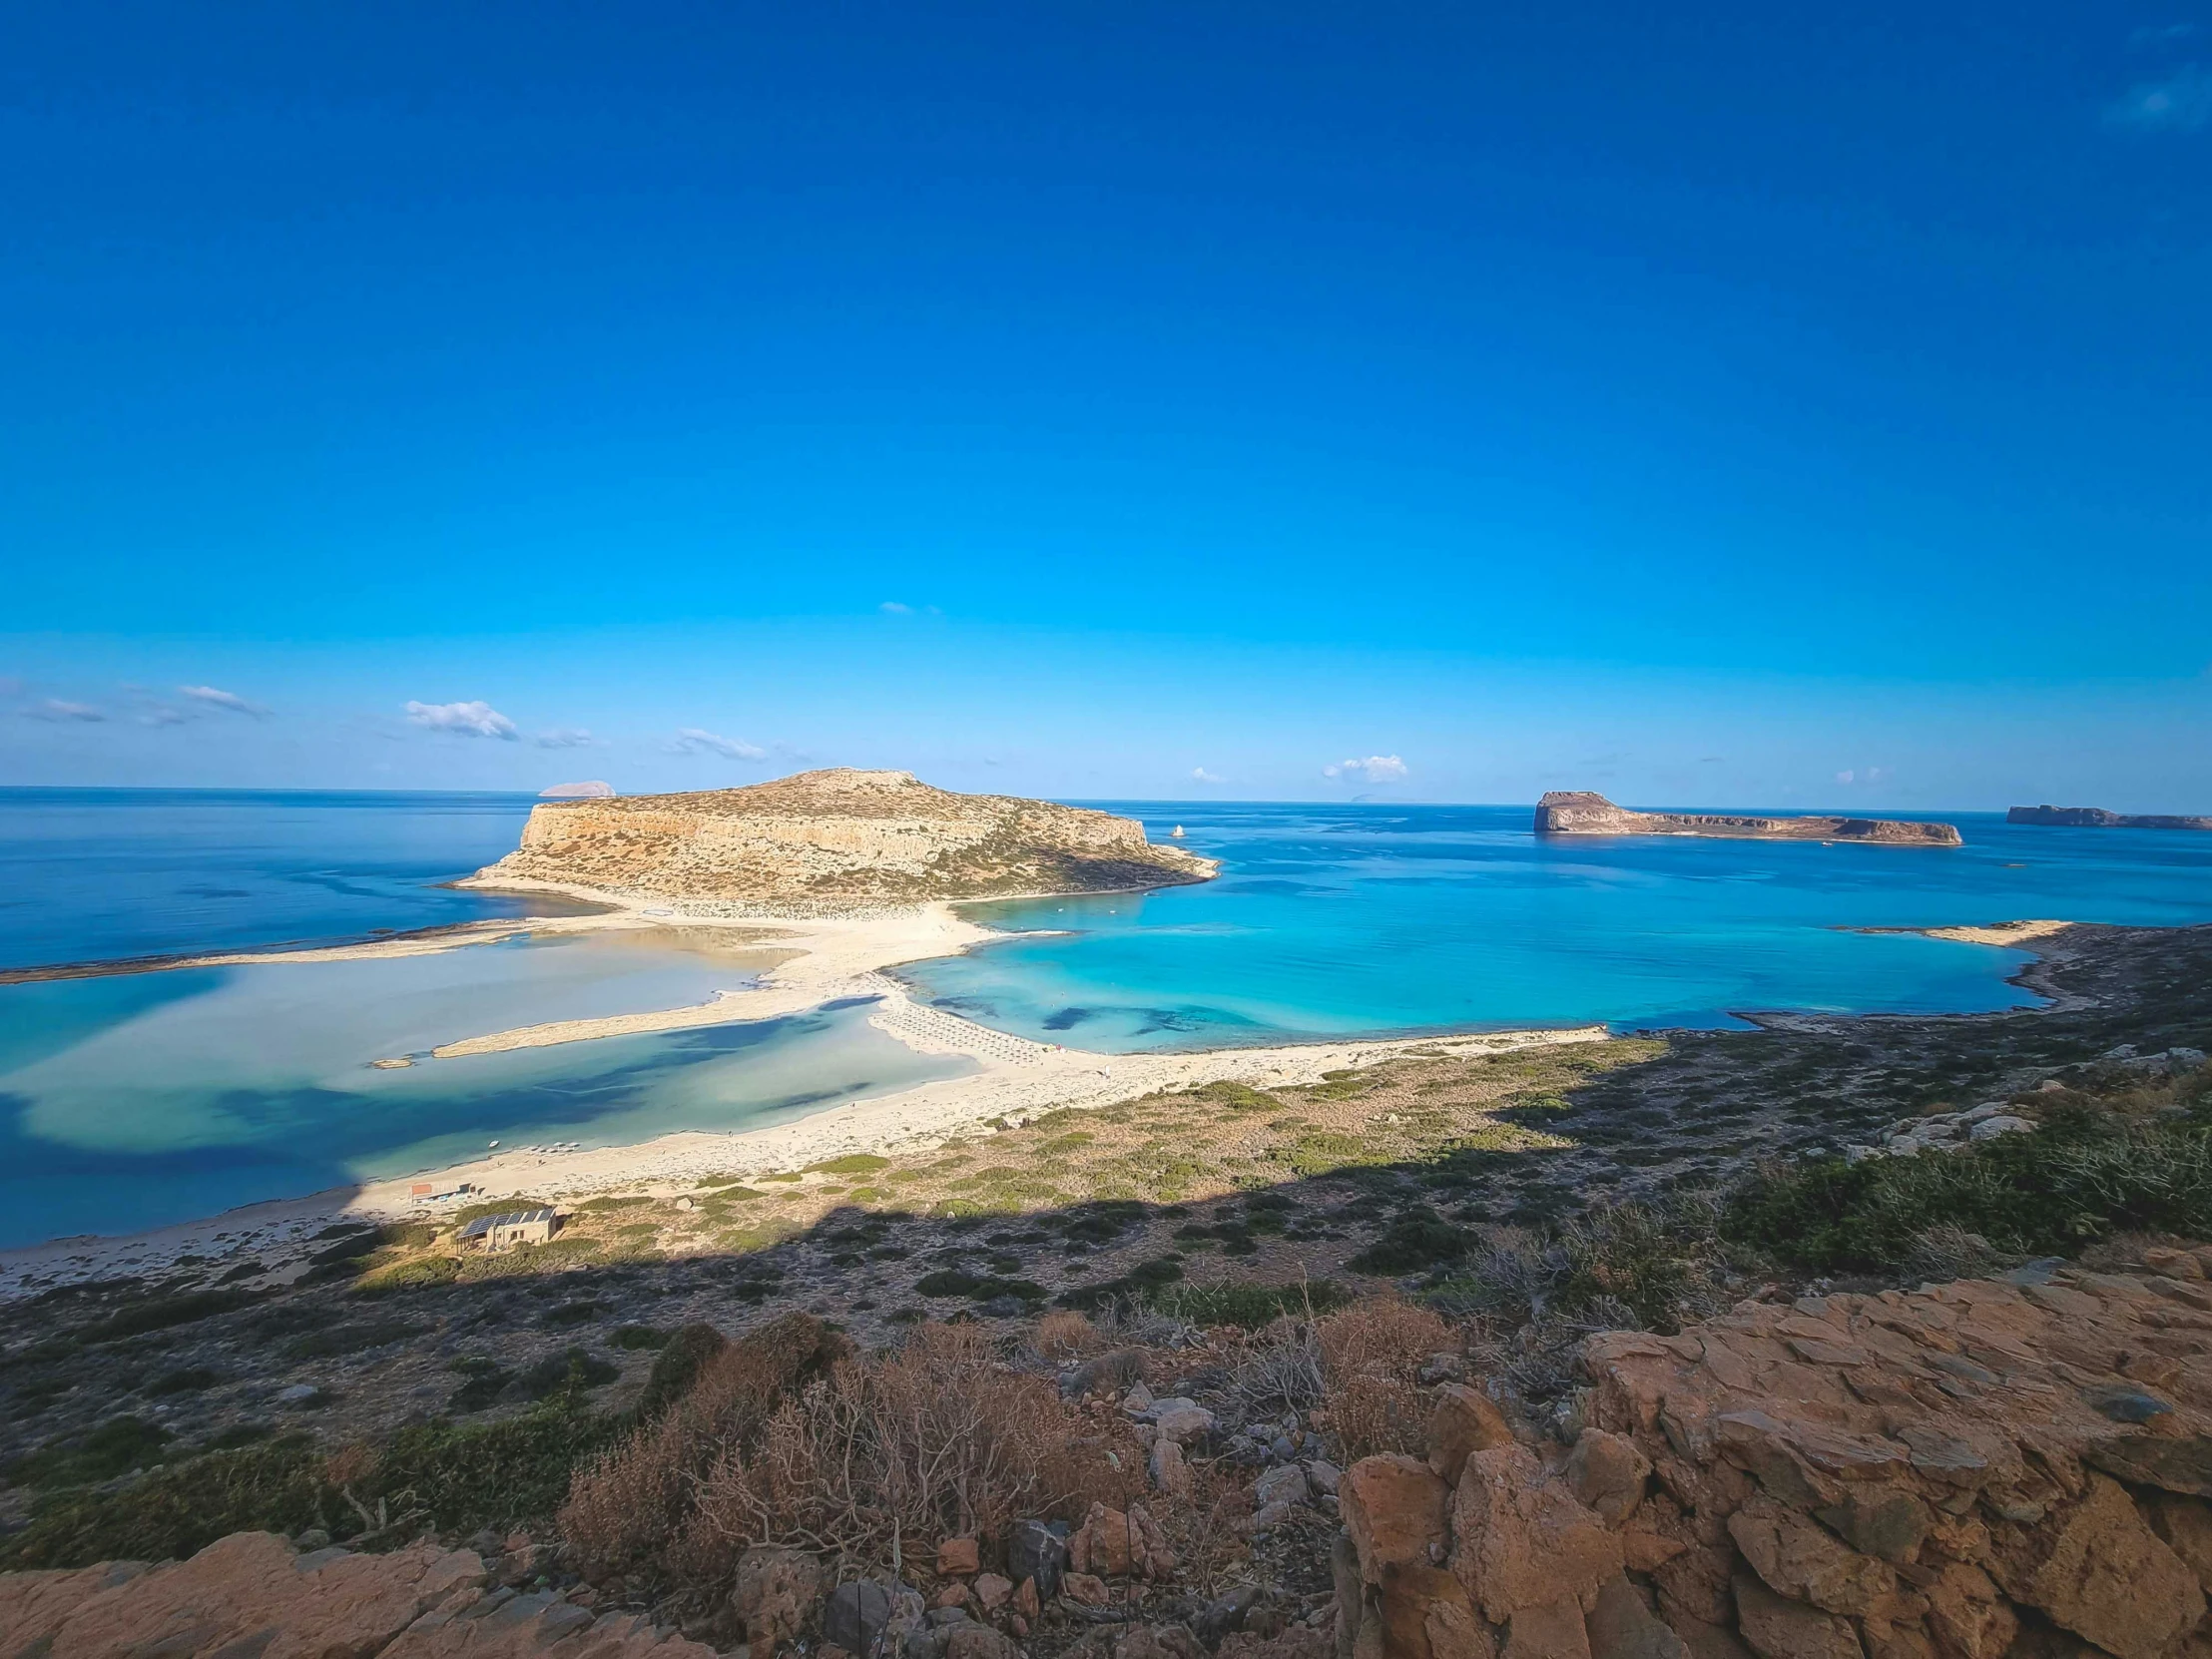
(130, 1101)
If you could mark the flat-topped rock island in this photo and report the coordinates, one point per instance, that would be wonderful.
(835, 841)
(2096, 817)
(1584, 813)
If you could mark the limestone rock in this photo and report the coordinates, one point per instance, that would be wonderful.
(1520, 1538)
(2102, 1573)
(1776, 1629)
(1182, 1420)
(1582, 812)
(1394, 1510)
(1465, 1420)
(1285, 1483)
(832, 839)
(1620, 1626)
(777, 1593)
(1608, 1474)
(1426, 1614)
(1548, 1630)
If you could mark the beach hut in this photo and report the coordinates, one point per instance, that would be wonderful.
(518, 1226)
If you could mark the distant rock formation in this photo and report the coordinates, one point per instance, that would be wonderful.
(1580, 813)
(594, 790)
(836, 840)
(2096, 817)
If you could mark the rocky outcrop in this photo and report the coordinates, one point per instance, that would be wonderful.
(1976, 1471)
(1580, 813)
(249, 1594)
(2096, 817)
(836, 840)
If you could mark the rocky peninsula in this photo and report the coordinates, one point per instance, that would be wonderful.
(832, 841)
(1583, 812)
(2096, 817)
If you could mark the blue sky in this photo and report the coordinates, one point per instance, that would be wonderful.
(1702, 403)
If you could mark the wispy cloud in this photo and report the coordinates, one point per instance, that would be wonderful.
(891, 607)
(1376, 769)
(2182, 103)
(563, 737)
(465, 720)
(692, 741)
(229, 702)
(54, 709)
(1199, 775)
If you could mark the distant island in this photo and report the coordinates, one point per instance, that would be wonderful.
(1581, 813)
(835, 840)
(2096, 817)
(593, 789)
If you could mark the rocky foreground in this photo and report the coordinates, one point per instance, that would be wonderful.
(2014, 1466)
(1581, 813)
(835, 840)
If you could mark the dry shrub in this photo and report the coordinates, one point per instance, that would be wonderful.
(935, 1441)
(625, 1510)
(1064, 1333)
(1280, 1368)
(1371, 1360)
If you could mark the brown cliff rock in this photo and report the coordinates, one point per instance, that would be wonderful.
(821, 842)
(1582, 812)
(1521, 1540)
(249, 1593)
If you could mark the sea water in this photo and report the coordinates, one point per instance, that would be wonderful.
(1335, 921)
(135, 1100)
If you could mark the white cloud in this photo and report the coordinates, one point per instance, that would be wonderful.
(891, 607)
(215, 699)
(692, 741)
(1847, 777)
(467, 719)
(54, 709)
(563, 737)
(1376, 769)
(1199, 775)
(2182, 102)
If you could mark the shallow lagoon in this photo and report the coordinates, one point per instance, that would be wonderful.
(1329, 921)
(133, 1101)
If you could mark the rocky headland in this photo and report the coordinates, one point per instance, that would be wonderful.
(2096, 817)
(833, 840)
(1583, 812)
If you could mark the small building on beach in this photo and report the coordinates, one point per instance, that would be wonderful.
(518, 1226)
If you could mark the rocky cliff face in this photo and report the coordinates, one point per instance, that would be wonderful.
(837, 838)
(1581, 813)
(2096, 817)
(1978, 1469)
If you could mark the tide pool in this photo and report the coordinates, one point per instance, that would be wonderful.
(1333, 920)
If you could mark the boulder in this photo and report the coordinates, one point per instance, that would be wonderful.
(1395, 1510)
(1800, 1559)
(1607, 1473)
(870, 1620)
(1285, 1483)
(2101, 1572)
(1520, 1539)
(1034, 1550)
(1170, 1473)
(1182, 1420)
(777, 1593)
(1548, 1630)
(1621, 1626)
(1426, 1614)
(993, 1590)
(1465, 1420)
(1777, 1628)
(1967, 1615)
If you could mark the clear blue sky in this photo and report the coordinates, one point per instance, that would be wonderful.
(1700, 402)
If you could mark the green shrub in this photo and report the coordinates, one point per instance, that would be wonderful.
(854, 1163)
(419, 1274)
(456, 1478)
(634, 1336)
(350, 1339)
(163, 1313)
(179, 1509)
(1247, 1305)
(976, 1286)
(572, 1372)
(1418, 1239)
(115, 1447)
(186, 1380)
(677, 1367)
(1134, 1286)
(2081, 1177)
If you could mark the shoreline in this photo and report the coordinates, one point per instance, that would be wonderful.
(837, 958)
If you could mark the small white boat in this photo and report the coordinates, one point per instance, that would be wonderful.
(1176, 833)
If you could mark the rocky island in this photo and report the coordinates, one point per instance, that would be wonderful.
(1582, 812)
(835, 840)
(2096, 817)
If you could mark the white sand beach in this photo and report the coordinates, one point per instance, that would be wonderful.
(835, 958)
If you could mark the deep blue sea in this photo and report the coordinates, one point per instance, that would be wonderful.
(126, 1102)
